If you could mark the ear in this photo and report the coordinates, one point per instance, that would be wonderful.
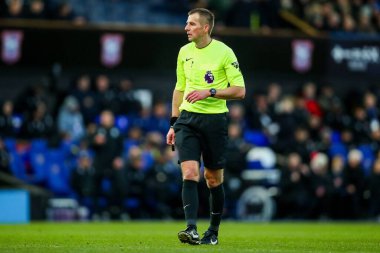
(206, 28)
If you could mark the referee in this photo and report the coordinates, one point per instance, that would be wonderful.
(207, 75)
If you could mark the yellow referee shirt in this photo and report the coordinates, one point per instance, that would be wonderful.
(214, 66)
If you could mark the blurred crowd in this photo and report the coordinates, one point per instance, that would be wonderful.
(343, 16)
(102, 142)
(39, 10)
(356, 16)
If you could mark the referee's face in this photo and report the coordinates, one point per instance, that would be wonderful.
(195, 28)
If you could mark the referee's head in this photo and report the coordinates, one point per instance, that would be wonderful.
(206, 17)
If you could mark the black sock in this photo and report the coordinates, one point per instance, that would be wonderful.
(216, 207)
(190, 201)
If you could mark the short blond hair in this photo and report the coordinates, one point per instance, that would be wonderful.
(207, 14)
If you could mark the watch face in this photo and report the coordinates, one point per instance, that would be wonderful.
(213, 92)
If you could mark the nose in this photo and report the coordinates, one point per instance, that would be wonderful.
(187, 27)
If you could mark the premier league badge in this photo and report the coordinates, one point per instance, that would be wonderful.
(209, 77)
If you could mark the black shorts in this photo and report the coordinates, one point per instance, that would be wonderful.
(202, 135)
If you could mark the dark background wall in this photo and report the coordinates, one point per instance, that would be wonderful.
(149, 57)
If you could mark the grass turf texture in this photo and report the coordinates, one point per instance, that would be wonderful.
(162, 237)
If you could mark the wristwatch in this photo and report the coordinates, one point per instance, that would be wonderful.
(212, 92)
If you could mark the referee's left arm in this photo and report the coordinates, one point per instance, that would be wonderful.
(232, 92)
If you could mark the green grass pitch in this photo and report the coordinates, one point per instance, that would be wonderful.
(161, 236)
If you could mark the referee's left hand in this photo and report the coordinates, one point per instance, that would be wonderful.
(197, 95)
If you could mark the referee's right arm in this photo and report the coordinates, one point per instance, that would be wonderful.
(176, 102)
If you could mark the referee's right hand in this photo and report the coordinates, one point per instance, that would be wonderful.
(170, 137)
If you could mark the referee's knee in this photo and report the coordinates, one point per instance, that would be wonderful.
(190, 171)
(213, 178)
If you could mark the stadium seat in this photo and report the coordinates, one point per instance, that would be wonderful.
(17, 166)
(335, 137)
(10, 144)
(57, 173)
(123, 123)
(38, 163)
(261, 158)
(256, 138)
(338, 148)
(38, 145)
(368, 158)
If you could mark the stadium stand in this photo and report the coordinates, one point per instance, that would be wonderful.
(300, 131)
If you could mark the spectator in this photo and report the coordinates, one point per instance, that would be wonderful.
(237, 115)
(274, 96)
(65, 12)
(105, 95)
(70, 120)
(236, 153)
(302, 145)
(86, 98)
(7, 124)
(347, 138)
(106, 142)
(315, 127)
(360, 126)
(164, 182)
(82, 179)
(135, 138)
(151, 149)
(128, 104)
(36, 10)
(39, 124)
(237, 149)
(137, 190)
(354, 184)
(5, 159)
(321, 186)
(364, 20)
(374, 189)
(370, 106)
(158, 121)
(309, 93)
(252, 14)
(349, 24)
(239, 14)
(332, 109)
(258, 115)
(15, 9)
(287, 122)
(294, 199)
(300, 111)
(337, 208)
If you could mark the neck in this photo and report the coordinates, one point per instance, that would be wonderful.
(203, 42)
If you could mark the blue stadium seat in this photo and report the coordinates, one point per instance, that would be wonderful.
(10, 144)
(132, 203)
(38, 145)
(256, 138)
(57, 173)
(38, 162)
(335, 137)
(106, 185)
(17, 166)
(123, 123)
(338, 148)
(368, 158)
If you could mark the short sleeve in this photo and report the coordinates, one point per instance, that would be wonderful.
(181, 79)
(232, 68)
